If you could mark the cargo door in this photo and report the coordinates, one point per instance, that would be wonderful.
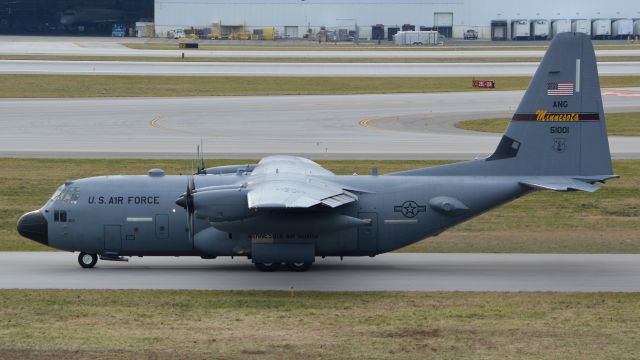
(162, 226)
(368, 234)
(444, 23)
(112, 238)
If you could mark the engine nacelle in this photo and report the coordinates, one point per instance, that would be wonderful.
(221, 204)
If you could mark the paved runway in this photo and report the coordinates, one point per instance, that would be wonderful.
(389, 272)
(92, 47)
(631, 68)
(399, 126)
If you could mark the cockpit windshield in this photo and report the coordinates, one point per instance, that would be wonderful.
(67, 194)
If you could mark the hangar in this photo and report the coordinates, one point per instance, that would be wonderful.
(297, 18)
(64, 17)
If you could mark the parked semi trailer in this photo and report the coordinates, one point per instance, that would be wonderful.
(601, 29)
(416, 38)
(581, 26)
(560, 26)
(520, 30)
(621, 28)
(539, 29)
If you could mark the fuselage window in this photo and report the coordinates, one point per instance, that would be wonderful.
(60, 215)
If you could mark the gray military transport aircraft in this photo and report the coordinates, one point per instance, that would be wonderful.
(289, 210)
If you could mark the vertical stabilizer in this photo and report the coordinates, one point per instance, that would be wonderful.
(559, 127)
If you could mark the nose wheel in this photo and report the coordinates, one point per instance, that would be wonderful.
(87, 261)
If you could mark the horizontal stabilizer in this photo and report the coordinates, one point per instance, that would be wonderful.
(558, 184)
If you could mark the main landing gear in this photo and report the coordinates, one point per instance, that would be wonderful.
(87, 261)
(270, 267)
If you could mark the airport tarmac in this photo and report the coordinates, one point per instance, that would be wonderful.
(93, 47)
(397, 126)
(629, 68)
(387, 272)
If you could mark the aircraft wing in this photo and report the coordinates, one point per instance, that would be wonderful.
(285, 182)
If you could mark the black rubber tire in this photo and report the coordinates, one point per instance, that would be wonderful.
(267, 267)
(299, 267)
(83, 260)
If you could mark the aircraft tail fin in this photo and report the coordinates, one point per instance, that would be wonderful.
(559, 127)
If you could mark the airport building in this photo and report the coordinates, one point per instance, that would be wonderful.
(491, 19)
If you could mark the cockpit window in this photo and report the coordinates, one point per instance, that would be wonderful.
(68, 195)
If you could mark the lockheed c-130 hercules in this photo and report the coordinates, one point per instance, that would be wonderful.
(289, 210)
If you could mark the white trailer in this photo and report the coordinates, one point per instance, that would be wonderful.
(621, 28)
(560, 26)
(539, 29)
(520, 30)
(416, 38)
(601, 28)
(581, 26)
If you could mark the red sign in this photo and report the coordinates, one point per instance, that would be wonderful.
(485, 84)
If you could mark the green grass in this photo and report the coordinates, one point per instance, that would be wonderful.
(607, 221)
(618, 124)
(55, 86)
(271, 325)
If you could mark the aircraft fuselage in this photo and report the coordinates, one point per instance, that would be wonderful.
(138, 216)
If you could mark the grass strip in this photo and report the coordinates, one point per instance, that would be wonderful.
(618, 124)
(56, 86)
(129, 324)
(607, 221)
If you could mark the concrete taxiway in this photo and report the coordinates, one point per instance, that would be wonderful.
(98, 47)
(388, 272)
(630, 68)
(399, 126)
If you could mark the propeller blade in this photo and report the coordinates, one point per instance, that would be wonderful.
(201, 164)
(186, 202)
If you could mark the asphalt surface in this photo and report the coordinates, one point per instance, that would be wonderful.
(399, 126)
(631, 68)
(388, 272)
(98, 47)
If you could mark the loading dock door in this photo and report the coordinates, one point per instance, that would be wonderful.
(443, 22)
(291, 32)
(112, 237)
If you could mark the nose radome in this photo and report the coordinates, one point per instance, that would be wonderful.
(33, 225)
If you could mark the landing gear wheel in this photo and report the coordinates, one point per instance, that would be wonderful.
(299, 266)
(267, 267)
(87, 261)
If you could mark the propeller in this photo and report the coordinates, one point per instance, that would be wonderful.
(186, 201)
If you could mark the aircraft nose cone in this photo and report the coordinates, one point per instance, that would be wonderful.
(33, 225)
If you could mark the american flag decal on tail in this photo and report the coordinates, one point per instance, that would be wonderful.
(560, 89)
